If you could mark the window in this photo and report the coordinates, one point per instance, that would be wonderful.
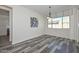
(66, 22)
(59, 22)
(49, 23)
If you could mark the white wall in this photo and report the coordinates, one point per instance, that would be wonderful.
(76, 25)
(21, 24)
(4, 23)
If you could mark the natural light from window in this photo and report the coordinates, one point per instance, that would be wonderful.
(59, 22)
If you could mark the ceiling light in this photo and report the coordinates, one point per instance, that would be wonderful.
(49, 15)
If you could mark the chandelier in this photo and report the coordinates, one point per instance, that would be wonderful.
(49, 15)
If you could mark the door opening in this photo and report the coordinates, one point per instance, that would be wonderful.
(5, 26)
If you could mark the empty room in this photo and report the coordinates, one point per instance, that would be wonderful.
(39, 28)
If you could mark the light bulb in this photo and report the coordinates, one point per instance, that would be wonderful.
(48, 17)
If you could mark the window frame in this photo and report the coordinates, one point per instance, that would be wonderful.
(62, 23)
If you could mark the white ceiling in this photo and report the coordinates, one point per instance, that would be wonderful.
(44, 9)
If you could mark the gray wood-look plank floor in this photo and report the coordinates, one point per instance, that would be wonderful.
(43, 44)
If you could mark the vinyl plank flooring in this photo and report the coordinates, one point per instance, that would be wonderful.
(42, 44)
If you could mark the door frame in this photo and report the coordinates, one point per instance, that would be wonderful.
(10, 20)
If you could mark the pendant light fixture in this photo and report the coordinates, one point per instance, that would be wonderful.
(49, 15)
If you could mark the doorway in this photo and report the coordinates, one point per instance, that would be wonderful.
(5, 26)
